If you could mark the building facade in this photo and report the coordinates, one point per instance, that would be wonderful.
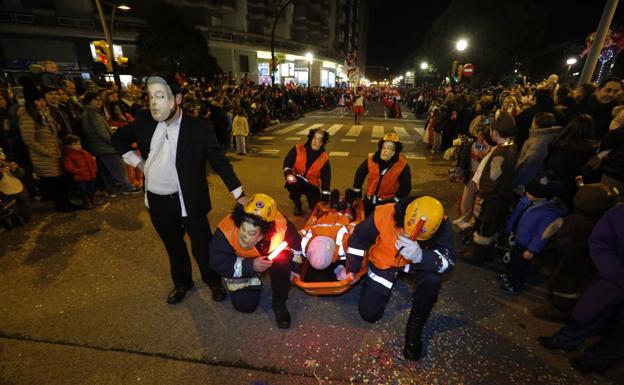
(238, 34)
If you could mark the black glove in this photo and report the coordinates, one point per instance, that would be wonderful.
(325, 196)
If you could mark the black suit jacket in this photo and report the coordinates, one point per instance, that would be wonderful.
(197, 144)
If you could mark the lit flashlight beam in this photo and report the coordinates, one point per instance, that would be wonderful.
(277, 250)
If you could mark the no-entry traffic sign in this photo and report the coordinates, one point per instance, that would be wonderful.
(468, 69)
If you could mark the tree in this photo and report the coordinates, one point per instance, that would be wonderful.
(169, 43)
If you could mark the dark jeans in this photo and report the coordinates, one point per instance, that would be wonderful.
(114, 173)
(86, 188)
(166, 216)
(518, 267)
(312, 193)
(374, 297)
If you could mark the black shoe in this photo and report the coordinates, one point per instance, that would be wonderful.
(582, 366)
(413, 344)
(177, 294)
(549, 343)
(282, 316)
(218, 293)
(297, 211)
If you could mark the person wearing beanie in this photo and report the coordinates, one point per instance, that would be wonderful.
(494, 178)
(530, 227)
(574, 269)
(600, 309)
(38, 131)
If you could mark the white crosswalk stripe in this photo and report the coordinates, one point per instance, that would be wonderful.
(297, 138)
(420, 131)
(307, 130)
(349, 140)
(339, 153)
(355, 130)
(334, 128)
(290, 128)
(266, 137)
(268, 152)
(378, 132)
(402, 133)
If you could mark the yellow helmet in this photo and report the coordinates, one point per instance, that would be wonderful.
(262, 206)
(429, 208)
(391, 137)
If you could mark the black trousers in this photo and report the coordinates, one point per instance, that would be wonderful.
(57, 188)
(312, 193)
(247, 300)
(166, 215)
(374, 296)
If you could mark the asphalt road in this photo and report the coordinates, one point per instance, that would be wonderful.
(82, 298)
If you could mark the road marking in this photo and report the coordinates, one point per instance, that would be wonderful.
(378, 131)
(407, 141)
(402, 133)
(339, 153)
(334, 129)
(420, 131)
(268, 152)
(355, 130)
(266, 137)
(308, 129)
(348, 140)
(297, 138)
(292, 127)
(374, 140)
(412, 156)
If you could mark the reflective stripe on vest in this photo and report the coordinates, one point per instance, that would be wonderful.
(389, 180)
(313, 174)
(383, 251)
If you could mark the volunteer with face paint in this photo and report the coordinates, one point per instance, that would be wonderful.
(175, 148)
(389, 177)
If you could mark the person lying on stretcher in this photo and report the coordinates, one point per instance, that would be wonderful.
(324, 238)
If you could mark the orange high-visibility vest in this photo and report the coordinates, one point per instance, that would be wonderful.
(382, 253)
(230, 230)
(334, 225)
(314, 172)
(389, 181)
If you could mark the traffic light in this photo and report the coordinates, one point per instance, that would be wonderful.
(102, 52)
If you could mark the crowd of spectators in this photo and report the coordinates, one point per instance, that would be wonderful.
(50, 130)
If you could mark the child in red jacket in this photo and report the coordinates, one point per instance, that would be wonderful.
(81, 164)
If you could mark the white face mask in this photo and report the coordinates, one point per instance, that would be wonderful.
(162, 101)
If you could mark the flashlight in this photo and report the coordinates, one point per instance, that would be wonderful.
(277, 250)
(290, 178)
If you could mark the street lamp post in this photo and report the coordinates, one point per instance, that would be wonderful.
(279, 14)
(570, 62)
(461, 46)
(310, 58)
(108, 34)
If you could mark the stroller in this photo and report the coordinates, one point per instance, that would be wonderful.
(331, 287)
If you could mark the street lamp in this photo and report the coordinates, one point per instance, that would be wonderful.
(424, 65)
(277, 17)
(461, 45)
(570, 62)
(310, 58)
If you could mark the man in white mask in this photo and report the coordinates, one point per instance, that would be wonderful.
(175, 147)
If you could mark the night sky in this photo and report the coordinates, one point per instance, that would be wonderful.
(396, 27)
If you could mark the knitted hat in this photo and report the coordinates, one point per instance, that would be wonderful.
(31, 92)
(47, 89)
(545, 185)
(595, 198)
(505, 125)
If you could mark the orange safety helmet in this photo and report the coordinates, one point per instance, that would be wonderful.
(391, 137)
(427, 207)
(262, 206)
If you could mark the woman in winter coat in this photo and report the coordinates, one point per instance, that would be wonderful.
(39, 133)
